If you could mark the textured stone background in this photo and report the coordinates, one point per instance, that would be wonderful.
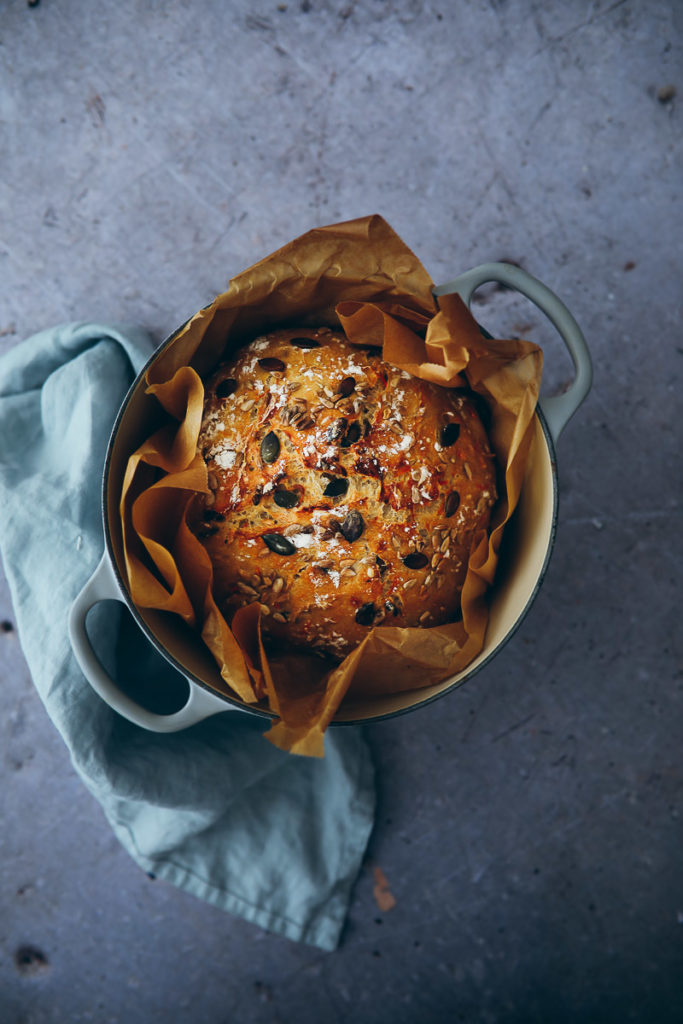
(529, 824)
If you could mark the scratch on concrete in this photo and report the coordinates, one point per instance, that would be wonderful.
(577, 28)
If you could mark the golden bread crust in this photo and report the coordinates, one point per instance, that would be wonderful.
(346, 494)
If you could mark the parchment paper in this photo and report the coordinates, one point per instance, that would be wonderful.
(359, 275)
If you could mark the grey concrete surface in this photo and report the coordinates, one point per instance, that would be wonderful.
(530, 824)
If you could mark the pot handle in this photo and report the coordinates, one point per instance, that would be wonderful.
(558, 409)
(102, 586)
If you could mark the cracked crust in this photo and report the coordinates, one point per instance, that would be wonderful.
(345, 493)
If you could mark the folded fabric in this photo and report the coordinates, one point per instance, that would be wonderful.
(215, 809)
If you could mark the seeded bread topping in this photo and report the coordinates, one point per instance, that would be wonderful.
(345, 494)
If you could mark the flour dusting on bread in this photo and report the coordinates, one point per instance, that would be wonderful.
(345, 494)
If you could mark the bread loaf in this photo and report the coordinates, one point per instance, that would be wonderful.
(345, 494)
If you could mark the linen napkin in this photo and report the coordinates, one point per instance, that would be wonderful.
(216, 809)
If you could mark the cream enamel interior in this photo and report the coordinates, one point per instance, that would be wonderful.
(526, 546)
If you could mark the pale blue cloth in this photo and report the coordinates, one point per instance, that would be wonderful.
(216, 809)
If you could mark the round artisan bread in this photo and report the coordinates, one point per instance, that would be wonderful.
(345, 493)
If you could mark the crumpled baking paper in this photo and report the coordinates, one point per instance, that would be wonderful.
(358, 275)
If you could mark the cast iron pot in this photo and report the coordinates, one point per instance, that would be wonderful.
(525, 554)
